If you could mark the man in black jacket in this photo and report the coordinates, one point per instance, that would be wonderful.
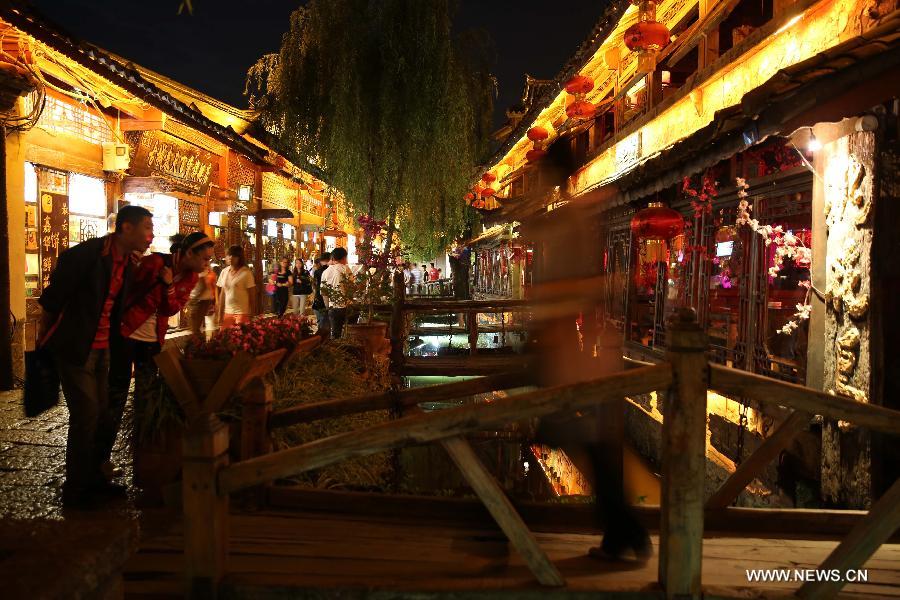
(81, 309)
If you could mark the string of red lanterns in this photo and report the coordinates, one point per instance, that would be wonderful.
(538, 135)
(648, 36)
(580, 109)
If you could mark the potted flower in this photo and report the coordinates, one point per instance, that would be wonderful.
(369, 287)
(158, 417)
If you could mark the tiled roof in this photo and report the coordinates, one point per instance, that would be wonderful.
(126, 77)
(545, 95)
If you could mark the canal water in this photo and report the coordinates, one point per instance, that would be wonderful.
(525, 470)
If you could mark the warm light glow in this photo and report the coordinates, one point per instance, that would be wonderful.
(823, 27)
(814, 144)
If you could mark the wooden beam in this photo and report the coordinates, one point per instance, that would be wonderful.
(859, 545)
(444, 424)
(770, 391)
(756, 462)
(151, 119)
(305, 413)
(683, 459)
(228, 381)
(169, 363)
(503, 511)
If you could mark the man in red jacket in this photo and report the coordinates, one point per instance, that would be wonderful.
(161, 287)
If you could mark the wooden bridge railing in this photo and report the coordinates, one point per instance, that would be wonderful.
(686, 374)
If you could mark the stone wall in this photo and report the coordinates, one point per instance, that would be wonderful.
(848, 180)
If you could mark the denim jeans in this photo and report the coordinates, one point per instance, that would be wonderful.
(90, 419)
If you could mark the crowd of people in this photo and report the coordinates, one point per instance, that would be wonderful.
(105, 315)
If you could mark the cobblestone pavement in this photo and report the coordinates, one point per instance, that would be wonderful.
(33, 460)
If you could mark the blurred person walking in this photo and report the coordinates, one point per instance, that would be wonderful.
(236, 302)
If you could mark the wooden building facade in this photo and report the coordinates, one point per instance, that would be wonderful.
(771, 129)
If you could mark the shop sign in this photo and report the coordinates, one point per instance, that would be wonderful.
(186, 166)
(53, 232)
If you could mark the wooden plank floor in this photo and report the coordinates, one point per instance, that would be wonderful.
(294, 554)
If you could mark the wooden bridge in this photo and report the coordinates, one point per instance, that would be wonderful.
(326, 544)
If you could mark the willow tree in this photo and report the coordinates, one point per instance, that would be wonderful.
(391, 104)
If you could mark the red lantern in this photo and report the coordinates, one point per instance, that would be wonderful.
(535, 154)
(470, 198)
(580, 84)
(538, 134)
(581, 109)
(487, 192)
(646, 36)
(489, 178)
(657, 222)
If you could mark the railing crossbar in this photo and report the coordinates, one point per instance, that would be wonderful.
(442, 425)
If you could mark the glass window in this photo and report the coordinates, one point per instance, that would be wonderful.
(87, 196)
(786, 344)
(724, 288)
(165, 217)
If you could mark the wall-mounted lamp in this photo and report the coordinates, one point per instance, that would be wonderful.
(813, 145)
(245, 192)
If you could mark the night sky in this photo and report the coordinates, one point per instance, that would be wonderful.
(212, 49)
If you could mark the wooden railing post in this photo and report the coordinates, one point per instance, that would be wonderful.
(398, 334)
(256, 405)
(472, 324)
(205, 509)
(683, 459)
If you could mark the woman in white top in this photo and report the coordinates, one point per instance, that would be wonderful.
(236, 302)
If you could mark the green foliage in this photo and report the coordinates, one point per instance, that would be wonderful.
(391, 105)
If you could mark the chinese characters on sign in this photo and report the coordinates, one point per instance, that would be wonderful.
(53, 232)
(159, 154)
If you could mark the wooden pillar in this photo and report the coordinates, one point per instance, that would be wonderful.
(472, 323)
(6, 362)
(683, 459)
(256, 405)
(205, 510)
(398, 327)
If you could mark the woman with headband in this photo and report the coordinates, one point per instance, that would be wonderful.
(161, 287)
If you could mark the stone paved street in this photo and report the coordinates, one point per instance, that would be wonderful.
(33, 458)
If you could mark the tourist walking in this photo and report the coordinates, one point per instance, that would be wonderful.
(334, 281)
(319, 307)
(236, 302)
(284, 283)
(81, 310)
(433, 273)
(200, 304)
(161, 286)
(301, 289)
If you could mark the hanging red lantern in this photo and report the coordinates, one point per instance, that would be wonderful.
(538, 134)
(489, 178)
(535, 154)
(470, 198)
(579, 85)
(487, 192)
(647, 36)
(657, 222)
(581, 109)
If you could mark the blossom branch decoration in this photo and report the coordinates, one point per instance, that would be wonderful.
(787, 247)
